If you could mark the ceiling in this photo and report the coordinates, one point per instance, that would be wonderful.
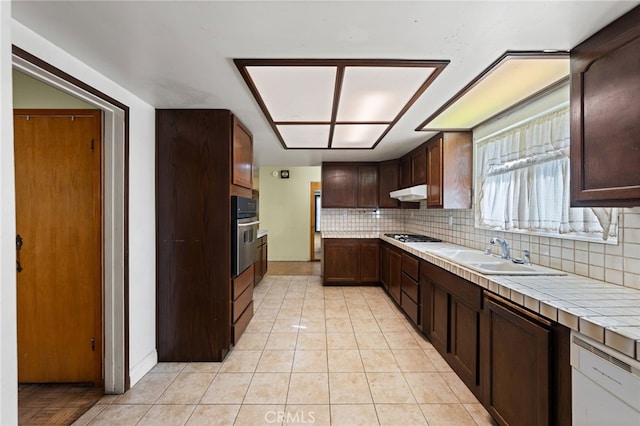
(179, 54)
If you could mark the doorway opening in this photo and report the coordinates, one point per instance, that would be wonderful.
(315, 235)
(114, 225)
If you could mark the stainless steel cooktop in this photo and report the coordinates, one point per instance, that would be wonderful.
(413, 238)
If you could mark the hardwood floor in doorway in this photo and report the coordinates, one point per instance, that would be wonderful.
(293, 268)
(55, 403)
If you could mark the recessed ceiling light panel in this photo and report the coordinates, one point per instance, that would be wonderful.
(310, 136)
(356, 135)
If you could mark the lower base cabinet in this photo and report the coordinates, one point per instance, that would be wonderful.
(241, 302)
(525, 367)
(351, 261)
(261, 260)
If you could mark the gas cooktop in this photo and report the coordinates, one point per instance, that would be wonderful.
(413, 238)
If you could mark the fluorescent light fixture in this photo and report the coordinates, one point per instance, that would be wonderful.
(512, 79)
(356, 135)
(336, 103)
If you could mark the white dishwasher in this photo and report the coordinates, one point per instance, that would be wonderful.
(605, 385)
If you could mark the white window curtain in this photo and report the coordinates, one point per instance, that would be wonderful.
(523, 175)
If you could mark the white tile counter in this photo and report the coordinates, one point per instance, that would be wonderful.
(605, 312)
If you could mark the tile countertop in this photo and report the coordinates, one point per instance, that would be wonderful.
(261, 233)
(605, 312)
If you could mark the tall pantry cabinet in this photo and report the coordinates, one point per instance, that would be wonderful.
(202, 158)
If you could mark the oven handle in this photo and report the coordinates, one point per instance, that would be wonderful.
(248, 224)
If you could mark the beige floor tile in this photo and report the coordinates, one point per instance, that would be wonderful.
(389, 388)
(89, 415)
(282, 341)
(275, 361)
(312, 341)
(286, 325)
(241, 362)
(308, 388)
(341, 340)
(313, 313)
(202, 367)
(259, 326)
(379, 361)
(213, 415)
(400, 340)
(430, 388)
(168, 367)
(227, 388)
(290, 314)
(268, 388)
(364, 324)
(187, 388)
(338, 325)
(121, 415)
(147, 390)
(345, 360)
(447, 415)
(363, 313)
(480, 415)
(437, 360)
(256, 415)
(309, 325)
(349, 388)
(316, 415)
(354, 415)
(169, 415)
(251, 341)
(400, 414)
(392, 324)
(310, 361)
(371, 340)
(413, 360)
(458, 387)
(336, 313)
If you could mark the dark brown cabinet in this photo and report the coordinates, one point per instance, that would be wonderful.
(194, 168)
(241, 302)
(410, 288)
(350, 261)
(261, 260)
(605, 89)
(419, 166)
(389, 180)
(449, 170)
(349, 185)
(391, 270)
(451, 320)
(242, 171)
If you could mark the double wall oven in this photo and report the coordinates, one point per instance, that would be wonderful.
(244, 233)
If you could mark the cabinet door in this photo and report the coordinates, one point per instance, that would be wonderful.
(339, 185)
(515, 353)
(369, 262)
(395, 274)
(242, 156)
(605, 89)
(368, 186)
(341, 258)
(258, 266)
(438, 315)
(419, 166)
(434, 180)
(465, 329)
(405, 171)
(388, 180)
(384, 266)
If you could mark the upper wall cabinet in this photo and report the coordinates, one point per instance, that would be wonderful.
(389, 179)
(242, 155)
(449, 170)
(605, 116)
(349, 185)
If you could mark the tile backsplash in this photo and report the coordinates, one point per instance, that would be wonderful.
(616, 264)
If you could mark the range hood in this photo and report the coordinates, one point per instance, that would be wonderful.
(414, 193)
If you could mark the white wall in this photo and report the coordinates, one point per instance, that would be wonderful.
(8, 346)
(284, 211)
(142, 272)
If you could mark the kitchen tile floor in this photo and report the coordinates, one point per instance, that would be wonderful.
(311, 355)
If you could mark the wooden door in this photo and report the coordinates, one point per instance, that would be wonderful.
(58, 215)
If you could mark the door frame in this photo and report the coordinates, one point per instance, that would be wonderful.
(115, 212)
(313, 187)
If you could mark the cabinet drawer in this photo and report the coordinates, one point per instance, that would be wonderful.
(242, 323)
(410, 287)
(410, 266)
(242, 281)
(240, 304)
(454, 285)
(409, 307)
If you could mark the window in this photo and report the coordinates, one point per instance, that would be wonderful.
(523, 182)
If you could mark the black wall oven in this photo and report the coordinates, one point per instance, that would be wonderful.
(244, 232)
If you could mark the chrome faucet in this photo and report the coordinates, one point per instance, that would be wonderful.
(504, 245)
